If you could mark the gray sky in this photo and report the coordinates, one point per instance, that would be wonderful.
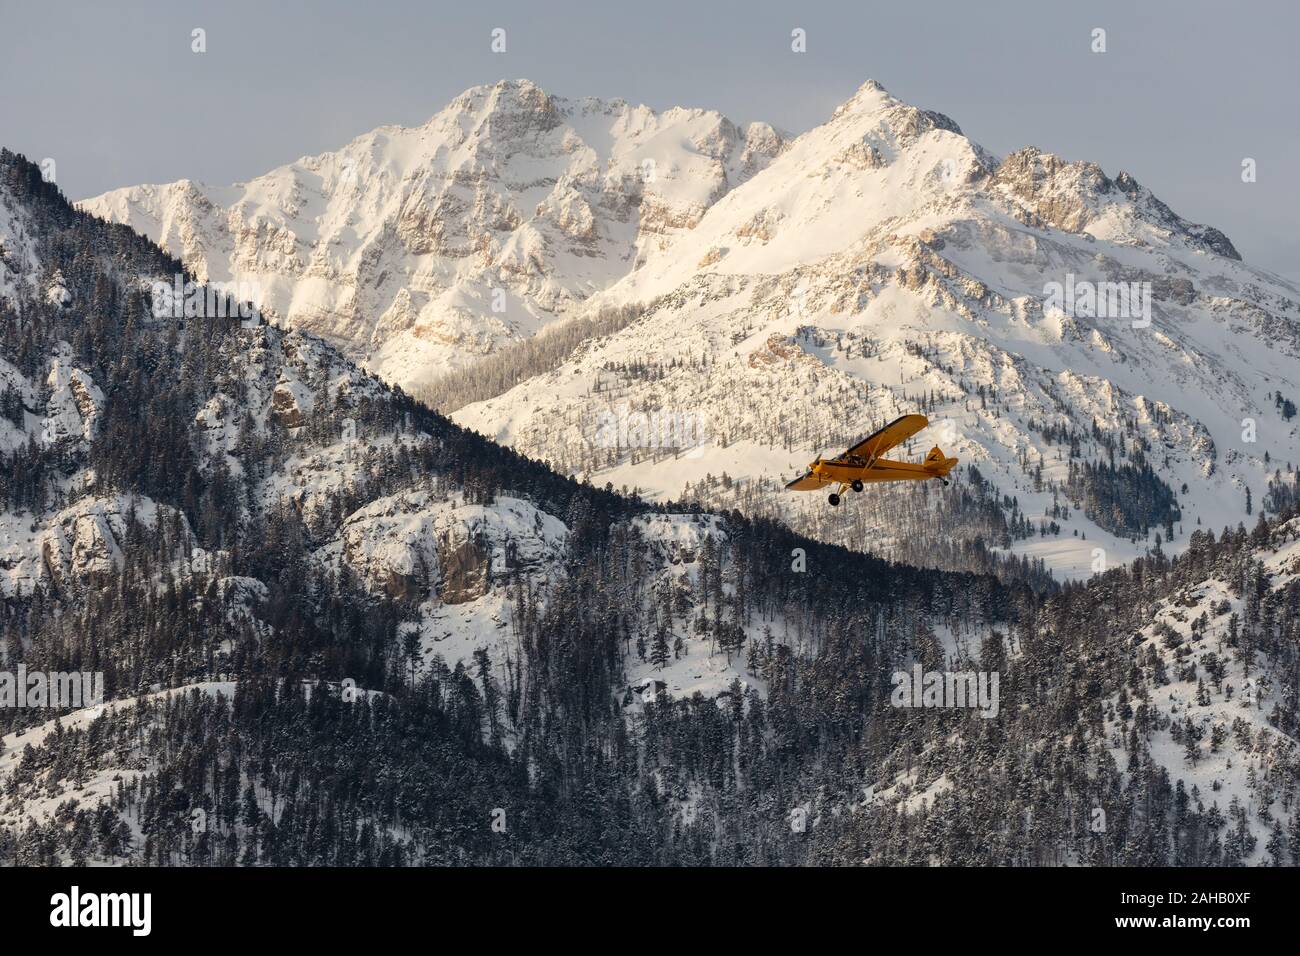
(112, 92)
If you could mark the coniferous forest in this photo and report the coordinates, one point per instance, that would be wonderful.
(214, 533)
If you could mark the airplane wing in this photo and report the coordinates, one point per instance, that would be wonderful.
(805, 482)
(895, 433)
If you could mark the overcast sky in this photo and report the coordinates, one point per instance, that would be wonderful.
(1184, 92)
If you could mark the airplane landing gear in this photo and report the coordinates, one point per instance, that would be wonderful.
(857, 484)
(834, 499)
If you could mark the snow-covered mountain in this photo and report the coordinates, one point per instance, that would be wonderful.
(1111, 370)
(419, 249)
(335, 628)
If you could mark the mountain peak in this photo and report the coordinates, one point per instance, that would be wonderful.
(873, 100)
(870, 97)
(513, 98)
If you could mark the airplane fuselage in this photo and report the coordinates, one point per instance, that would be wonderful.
(844, 471)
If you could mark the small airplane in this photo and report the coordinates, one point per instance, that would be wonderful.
(862, 463)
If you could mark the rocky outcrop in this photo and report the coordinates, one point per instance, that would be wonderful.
(75, 404)
(84, 543)
(465, 572)
(290, 403)
(415, 547)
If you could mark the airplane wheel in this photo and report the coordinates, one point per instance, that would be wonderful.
(945, 482)
(834, 499)
(857, 484)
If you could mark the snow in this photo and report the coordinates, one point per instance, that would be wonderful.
(394, 246)
(1243, 703)
(674, 543)
(40, 802)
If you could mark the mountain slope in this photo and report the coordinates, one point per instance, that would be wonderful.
(886, 264)
(336, 629)
(419, 249)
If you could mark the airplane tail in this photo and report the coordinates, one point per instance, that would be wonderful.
(938, 463)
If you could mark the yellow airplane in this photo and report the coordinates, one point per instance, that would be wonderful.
(862, 463)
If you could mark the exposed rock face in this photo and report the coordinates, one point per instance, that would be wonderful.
(81, 546)
(391, 545)
(465, 570)
(1074, 195)
(1054, 192)
(289, 403)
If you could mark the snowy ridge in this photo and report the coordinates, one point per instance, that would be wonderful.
(419, 248)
